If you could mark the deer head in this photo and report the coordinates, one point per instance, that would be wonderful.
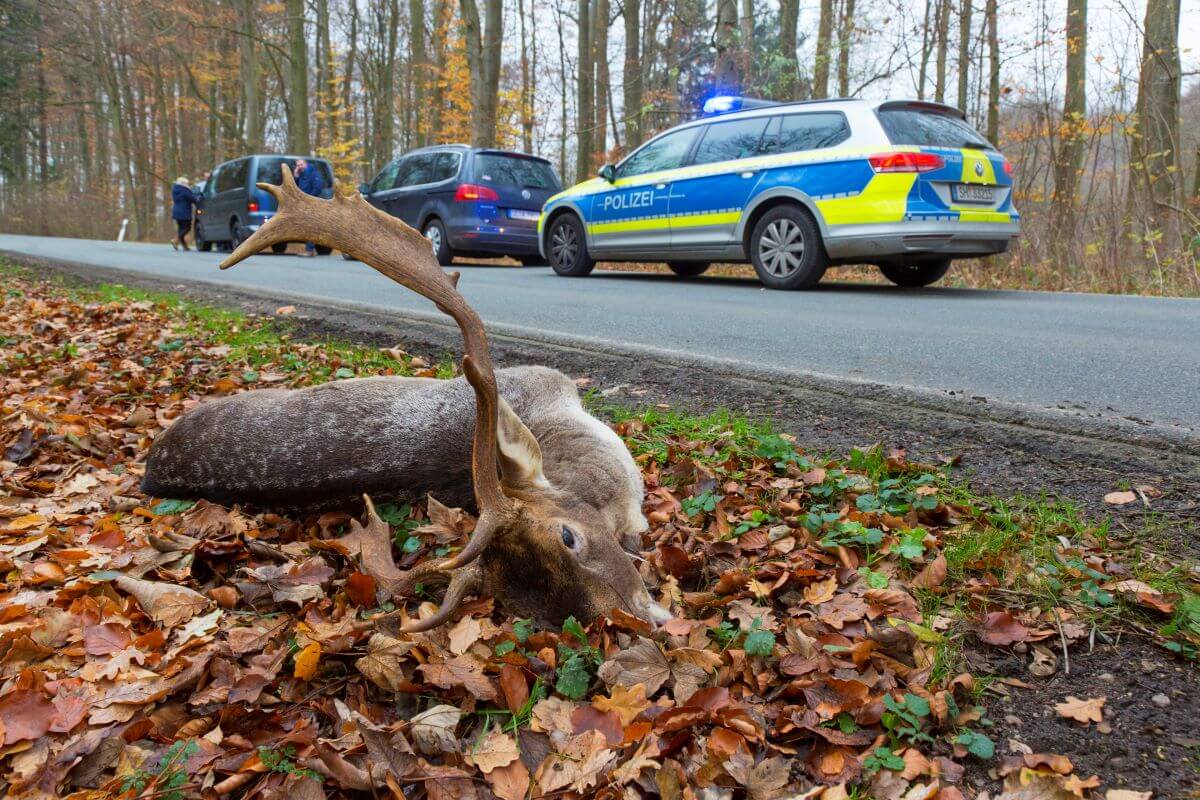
(532, 548)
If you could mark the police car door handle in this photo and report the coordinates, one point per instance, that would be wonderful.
(660, 186)
(747, 174)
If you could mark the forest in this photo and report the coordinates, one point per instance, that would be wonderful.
(104, 102)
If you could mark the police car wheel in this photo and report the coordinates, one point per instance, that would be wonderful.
(567, 248)
(914, 274)
(435, 232)
(786, 249)
(688, 269)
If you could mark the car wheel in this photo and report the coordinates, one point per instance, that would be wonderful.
(435, 232)
(786, 249)
(237, 233)
(688, 269)
(568, 248)
(914, 274)
(279, 247)
(533, 261)
(322, 250)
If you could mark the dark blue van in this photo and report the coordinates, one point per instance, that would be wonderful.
(468, 201)
(232, 207)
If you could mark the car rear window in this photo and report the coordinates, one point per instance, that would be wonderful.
(502, 170)
(929, 129)
(270, 169)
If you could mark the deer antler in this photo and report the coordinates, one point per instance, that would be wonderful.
(386, 244)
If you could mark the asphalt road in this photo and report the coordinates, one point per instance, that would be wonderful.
(1136, 357)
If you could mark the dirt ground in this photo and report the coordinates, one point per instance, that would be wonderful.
(1152, 746)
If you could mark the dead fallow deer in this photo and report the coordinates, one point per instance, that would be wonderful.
(553, 497)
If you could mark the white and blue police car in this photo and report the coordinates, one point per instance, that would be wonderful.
(793, 188)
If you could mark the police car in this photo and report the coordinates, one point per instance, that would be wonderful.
(793, 188)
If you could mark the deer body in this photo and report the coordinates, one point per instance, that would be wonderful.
(542, 549)
(391, 438)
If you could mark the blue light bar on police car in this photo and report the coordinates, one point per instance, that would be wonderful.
(725, 103)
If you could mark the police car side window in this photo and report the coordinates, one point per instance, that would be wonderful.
(728, 141)
(667, 152)
(796, 132)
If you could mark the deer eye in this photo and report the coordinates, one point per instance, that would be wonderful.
(568, 537)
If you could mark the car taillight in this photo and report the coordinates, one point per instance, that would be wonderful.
(473, 191)
(252, 207)
(906, 162)
(1008, 168)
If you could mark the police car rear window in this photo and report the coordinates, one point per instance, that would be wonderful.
(929, 129)
(528, 173)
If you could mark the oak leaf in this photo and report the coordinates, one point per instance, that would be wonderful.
(1085, 711)
(433, 730)
(497, 749)
(627, 702)
(1000, 628)
(167, 603)
(461, 671)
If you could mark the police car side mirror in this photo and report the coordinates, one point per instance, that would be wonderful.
(364, 188)
(608, 173)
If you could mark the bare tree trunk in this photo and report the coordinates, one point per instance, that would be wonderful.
(483, 63)
(526, 114)
(600, 54)
(437, 99)
(943, 44)
(326, 132)
(964, 54)
(746, 29)
(632, 77)
(584, 112)
(386, 108)
(789, 13)
(1074, 123)
(821, 66)
(1155, 141)
(420, 69)
(298, 139)
(252, 127)
(926, 41)
(562, 89)
(726, 73)
(993, 37)
(845, 44)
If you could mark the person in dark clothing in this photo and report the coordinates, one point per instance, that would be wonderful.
(310, 181)
(183, 200)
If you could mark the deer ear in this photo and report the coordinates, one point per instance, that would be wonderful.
(520, 455)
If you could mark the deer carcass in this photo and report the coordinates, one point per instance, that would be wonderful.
(555, 489)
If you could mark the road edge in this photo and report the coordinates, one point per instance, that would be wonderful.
(1074, 423)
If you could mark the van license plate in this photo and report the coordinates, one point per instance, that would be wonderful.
(973, 193)
(520, 213)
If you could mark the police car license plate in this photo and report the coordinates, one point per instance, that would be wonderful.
(520, 213)
(973, 193)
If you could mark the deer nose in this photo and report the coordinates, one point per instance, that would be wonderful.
(657, 614)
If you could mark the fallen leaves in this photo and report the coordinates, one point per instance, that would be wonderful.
(797, 653)
(1085, 711)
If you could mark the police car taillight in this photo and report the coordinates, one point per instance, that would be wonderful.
(471, 191)
(906, 162)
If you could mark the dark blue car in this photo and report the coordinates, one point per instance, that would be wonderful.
(468, 201)
(232, 207)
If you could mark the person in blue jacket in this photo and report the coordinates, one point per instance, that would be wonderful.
(183, 200)
(310, 181)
